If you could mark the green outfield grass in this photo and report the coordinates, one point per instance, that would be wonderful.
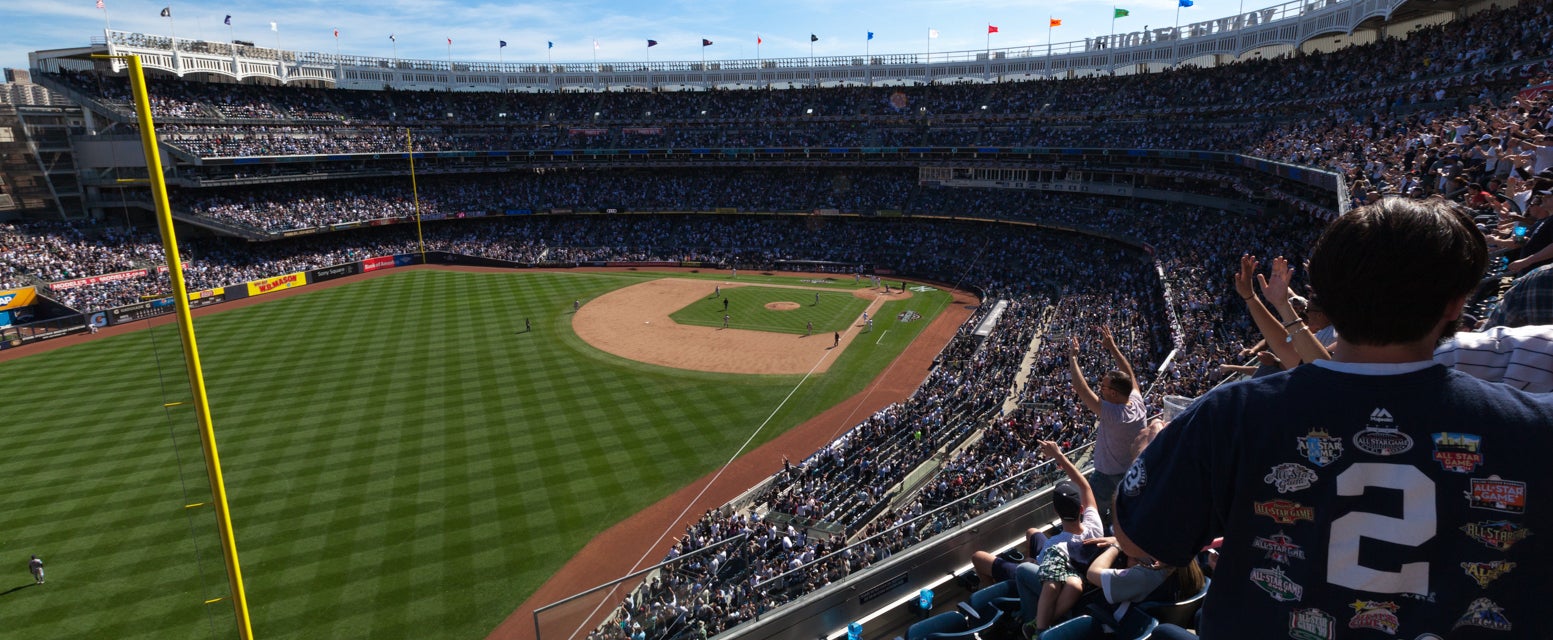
(402, 460)
(836, 310)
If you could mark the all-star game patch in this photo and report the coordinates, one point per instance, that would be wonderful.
(1458, 452)
(908, 315)
(1498, 494)
(1382, 438)
(1320, 448)
(1312, 624)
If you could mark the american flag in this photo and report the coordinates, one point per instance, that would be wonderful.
(99, 5)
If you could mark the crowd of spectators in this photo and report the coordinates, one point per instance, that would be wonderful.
(1450, 122)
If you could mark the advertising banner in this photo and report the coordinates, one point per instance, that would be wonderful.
(336, 271)
(64, 285)
(17, 298)
(380, 262)
(407, 259)
(279, 283)
(208, 297)
(140, 311)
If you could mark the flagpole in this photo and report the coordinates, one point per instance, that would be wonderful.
(928, 64)
(172, 30)
(1175, 40)
(1108, 40)
(1049, 46)
(105, 25)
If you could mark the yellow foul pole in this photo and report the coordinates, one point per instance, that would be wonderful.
(191, 354)
(409, 149)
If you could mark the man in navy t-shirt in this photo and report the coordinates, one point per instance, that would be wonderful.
(1374, 495)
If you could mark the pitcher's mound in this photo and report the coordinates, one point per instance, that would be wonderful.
(781, 306)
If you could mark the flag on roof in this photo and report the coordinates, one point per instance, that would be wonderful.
(1057, 22)
(932, 33)
(502, 45)
(652, 43)
(1122, 13)
(705, 42)
(228, 20)
(870, 35)
(1186, 3)
(991, 29)
(336, 34)
(99, 5)
(813, 38)
(167, 12)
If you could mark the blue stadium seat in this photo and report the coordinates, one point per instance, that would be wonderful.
(948, 622)
(1135, 625)
(1182, 614)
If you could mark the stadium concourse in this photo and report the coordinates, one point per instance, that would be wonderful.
(1454, 111)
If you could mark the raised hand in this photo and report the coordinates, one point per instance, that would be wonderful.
(1246, 276)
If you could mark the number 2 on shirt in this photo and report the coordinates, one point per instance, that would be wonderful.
(1415, 527)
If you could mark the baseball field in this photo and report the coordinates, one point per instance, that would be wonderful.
(403, 458)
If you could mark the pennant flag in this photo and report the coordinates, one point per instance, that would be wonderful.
(167, 12)
(550, 45)
(391, 38)
(503, 44)
(450, 42)
(813, 38)
(336, 34)
(274, 27)
(1057, 22)
(758, 40)
(1122, 13)
(705, 42)
(932, 33)
(595, 44)
(870, 35)
(991, 29)
(229, 21)
(99, 5)
(1186, 3)
(652, 43)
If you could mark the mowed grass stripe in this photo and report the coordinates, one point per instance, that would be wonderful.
(402, 459)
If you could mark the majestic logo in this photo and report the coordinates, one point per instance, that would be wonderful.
(1277, 585)
(1497, 494)
(1284, 511)
(1458, 452)
(1312, 624)
(1486, 572)
(1279, 547)
(1137, 476)
(1381, 438)
(1499, 535)
(1484, 613)
(1369, 614)
(1290, 476)
(1320, 447)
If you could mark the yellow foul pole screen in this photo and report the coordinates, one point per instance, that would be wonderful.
(191, 356)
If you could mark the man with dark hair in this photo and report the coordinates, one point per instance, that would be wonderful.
(1375, 491)
(1119, 405)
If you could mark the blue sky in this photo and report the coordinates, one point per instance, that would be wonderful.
(622, 28)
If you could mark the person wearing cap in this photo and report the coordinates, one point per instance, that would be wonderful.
(1378, 492)
(1537, 250)
(1123, 431)
(1050, 586)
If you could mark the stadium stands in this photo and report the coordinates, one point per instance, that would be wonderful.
(1455, 122)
